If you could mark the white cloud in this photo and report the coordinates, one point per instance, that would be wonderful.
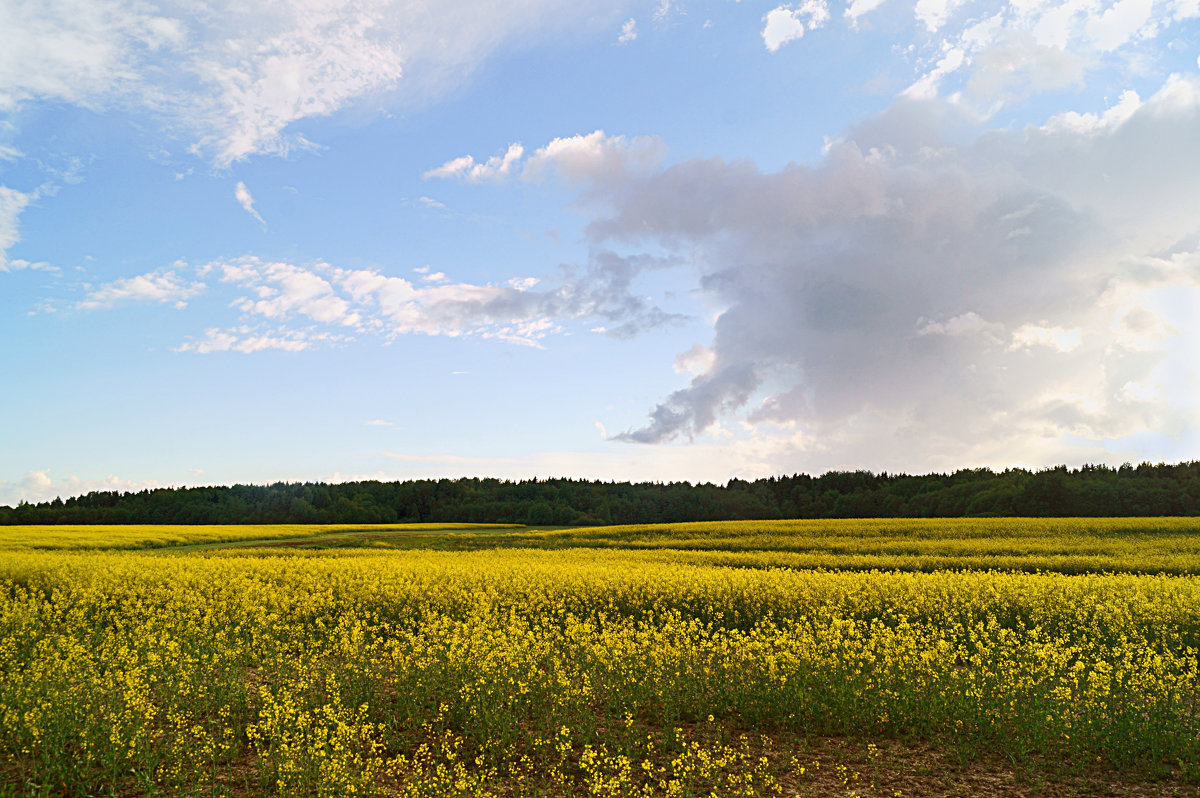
(1114, 117)
(248, 339)
(857, 9)
(1026, 48)
(17, 265)
(12, 202)
(934, 13)
(282, 290)
(310, 64)
(76, 52)
(927, 87)
(595, 156)
(465, 168)
(1119, 23)
(157, 286)
(697, 360)
(969, 323)
(1059, 339)
(379, 423)
(1140, 392)
(1013, 64)
(1137, 325)
(242, 194)
(214, 341)
(628, 31)
(784, 23)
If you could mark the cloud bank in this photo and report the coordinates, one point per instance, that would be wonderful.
(1025, 294)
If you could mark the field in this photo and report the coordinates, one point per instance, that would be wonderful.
(868, 658)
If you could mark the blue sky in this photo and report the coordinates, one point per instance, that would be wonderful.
(647, 241)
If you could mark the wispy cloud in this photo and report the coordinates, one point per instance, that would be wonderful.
(466, 168)
(986, 62)
(163, 285)
(237, 80)
(242, 194)
(344, 301)
(628, 31)
(1059, 339)
(571, 157)
(12, 202)
(248, 339)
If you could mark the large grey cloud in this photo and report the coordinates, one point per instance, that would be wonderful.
(977, 293)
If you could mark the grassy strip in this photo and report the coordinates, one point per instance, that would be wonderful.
(1073, 545)
(137, 536)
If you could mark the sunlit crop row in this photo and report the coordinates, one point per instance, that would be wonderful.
(564, 672)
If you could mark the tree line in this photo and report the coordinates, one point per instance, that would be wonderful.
(1092, 490)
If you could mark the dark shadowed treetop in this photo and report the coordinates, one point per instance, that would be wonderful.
(1088, 491)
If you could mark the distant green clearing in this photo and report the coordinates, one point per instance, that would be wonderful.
(1063, 545)
(1066, 545)
(152, 536)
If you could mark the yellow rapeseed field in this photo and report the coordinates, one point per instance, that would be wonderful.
(607, 670)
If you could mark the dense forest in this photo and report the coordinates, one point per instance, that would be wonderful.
(1088, 491)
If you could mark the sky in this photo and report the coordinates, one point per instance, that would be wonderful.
(653, 241)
